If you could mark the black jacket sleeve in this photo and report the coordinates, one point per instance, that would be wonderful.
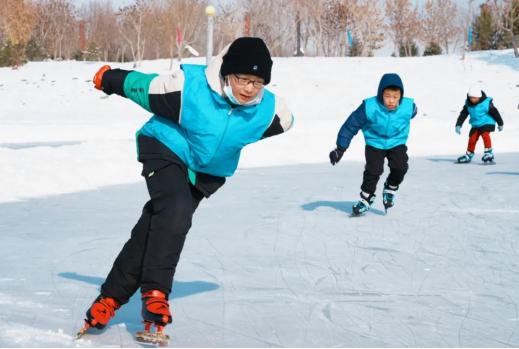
(158, 94)
(492, 110)
(113, 81)
(463, 115)
(282, 121)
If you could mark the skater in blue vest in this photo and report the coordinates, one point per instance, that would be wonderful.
(483, 116)
(203, 117)
(385, 122)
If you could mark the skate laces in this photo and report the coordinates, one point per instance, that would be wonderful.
(156, 302)
(101, 311)
(365, 201)
(389, 191)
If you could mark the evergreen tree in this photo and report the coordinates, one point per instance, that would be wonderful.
(488, 34)
(483, 29)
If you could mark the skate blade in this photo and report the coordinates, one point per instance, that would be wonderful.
(386, 208)
(158, 339)
(82, 331)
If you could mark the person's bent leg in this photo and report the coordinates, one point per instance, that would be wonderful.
(473, 139)
(398, 165)
(487, 140)
(173, 208)
(488, 156)
(373, 169)
(125, 276)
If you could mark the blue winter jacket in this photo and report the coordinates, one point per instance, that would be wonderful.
(382, 128)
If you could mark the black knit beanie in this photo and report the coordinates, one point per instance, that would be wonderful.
(247, 56)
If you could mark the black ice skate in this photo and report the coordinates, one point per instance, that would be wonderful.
(388, 195)
(362, 206)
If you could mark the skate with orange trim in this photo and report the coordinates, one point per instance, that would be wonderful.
(155, 313)
(99, 314)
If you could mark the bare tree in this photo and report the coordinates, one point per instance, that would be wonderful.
(102, 31)
(58, 26)
(189, 17)
(368, 25)
(439, 28)
(157, 28)
(508, 12)
(271, 20)
(229, 23)
(404, 24)
(16, 22)
(312, 25)
(303, 20)
(131, 26)
(336, 18)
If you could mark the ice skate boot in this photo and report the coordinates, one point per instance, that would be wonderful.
(99, 314)
(362, 206)
(155, 312)
(488, 157)
(465, 159)
(388, 195)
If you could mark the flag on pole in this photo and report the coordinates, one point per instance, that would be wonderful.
(179, 36)
(349, 42)
(470, 36)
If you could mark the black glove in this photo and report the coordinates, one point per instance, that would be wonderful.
(336, 155)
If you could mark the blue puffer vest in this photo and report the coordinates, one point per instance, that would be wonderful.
(386, 128)
(479, 115)
(211, 133)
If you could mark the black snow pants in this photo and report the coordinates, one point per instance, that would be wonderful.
(149, 258)
(397, 161)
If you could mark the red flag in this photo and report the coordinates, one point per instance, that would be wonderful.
(179, 36)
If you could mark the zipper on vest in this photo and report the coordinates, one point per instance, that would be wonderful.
(388, 120)
(230, 111)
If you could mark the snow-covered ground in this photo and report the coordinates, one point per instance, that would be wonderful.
(273, 258)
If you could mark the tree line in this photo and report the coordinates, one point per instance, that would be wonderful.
(152, 29)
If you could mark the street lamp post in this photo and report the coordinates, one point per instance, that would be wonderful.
(210, 11)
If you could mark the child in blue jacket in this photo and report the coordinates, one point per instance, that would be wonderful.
(385, 122)
(483, 116)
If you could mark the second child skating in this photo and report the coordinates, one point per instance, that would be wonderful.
(483, 116)
(385, 122)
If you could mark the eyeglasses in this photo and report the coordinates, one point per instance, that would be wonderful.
(241, 81)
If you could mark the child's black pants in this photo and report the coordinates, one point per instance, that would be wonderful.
(397, 161)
